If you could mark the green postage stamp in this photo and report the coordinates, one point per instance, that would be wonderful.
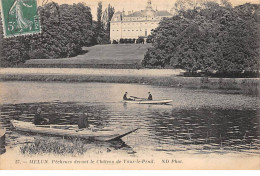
(20, 17)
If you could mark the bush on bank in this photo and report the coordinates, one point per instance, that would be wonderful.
(208, 39)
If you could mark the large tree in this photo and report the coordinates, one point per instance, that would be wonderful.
(214, 37)
(103, 23)
(99, 25)
(107, 16)
(1, 41)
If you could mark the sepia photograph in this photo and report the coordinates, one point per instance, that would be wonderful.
(129, 85)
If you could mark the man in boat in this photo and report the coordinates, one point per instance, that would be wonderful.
(125, 97)
(38, 119)
(150, 97)
(83, 121)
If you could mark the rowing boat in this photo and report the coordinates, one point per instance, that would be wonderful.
(142, 101)
(2, 140)
(102, 135)
(2, 132)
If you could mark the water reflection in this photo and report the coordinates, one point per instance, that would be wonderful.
(197, 122)
(163, 128)
(207, 129)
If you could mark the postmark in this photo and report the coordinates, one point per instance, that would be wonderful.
(20, 17)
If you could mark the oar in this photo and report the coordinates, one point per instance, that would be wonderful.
(137, 98)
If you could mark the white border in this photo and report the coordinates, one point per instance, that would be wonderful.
(131, 173)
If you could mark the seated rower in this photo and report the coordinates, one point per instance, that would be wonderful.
(38, 119)
(125, 97)
(83, 121)
(150, 97)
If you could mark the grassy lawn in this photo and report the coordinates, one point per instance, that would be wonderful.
(99, 56)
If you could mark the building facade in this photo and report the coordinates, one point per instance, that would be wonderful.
(135, 24)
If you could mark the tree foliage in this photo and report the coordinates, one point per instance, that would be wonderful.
(1, 40)
(209, 38)
(65, 29)
(103, 23)
(99, 17)
(107, 16)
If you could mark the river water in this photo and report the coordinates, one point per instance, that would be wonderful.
(199, 121)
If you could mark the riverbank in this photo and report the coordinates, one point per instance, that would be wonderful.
(167, 77)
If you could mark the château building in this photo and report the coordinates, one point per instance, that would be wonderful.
(136, 24)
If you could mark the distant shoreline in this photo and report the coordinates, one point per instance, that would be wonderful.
(156, 77)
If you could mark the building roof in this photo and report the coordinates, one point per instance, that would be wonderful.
(143, 13)
(135, 14)
(163, 13)
(118, 12)
(148, 12)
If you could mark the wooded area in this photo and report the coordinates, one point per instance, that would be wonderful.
(209, 38)
(203, 36)
(65, 30)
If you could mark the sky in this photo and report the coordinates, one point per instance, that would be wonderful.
(135, 5)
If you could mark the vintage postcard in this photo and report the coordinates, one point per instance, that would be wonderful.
(129, 85)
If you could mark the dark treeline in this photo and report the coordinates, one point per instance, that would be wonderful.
(65, 29)
(209, 38)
